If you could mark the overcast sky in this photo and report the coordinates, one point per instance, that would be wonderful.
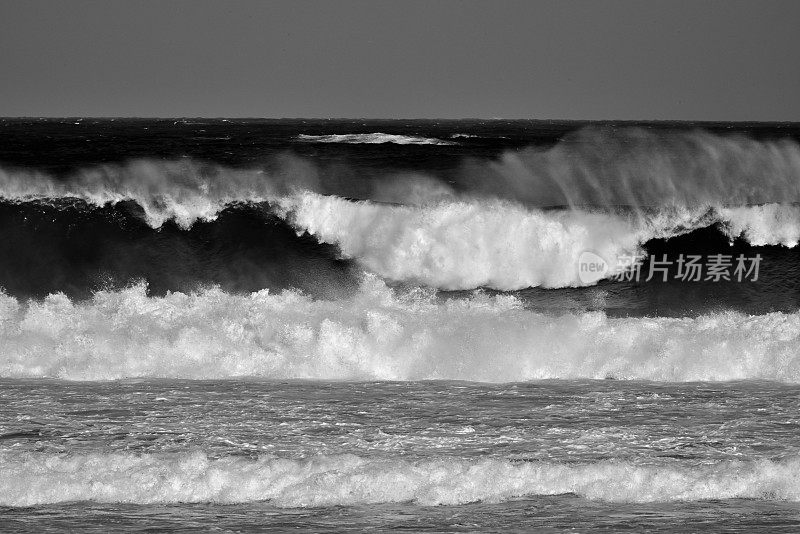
(713, 60)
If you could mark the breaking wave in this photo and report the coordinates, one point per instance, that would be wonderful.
(441, 240)
(593, 168)
(769, 224)
(491, 224)
(503, 245)
(463, 245)
(373, 139)
(640, 168)
(28, 479)
(378, 333)
(181, 190)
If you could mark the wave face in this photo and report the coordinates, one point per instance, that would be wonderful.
(376, 138)
(379, 334)
(72, 247)
(35, 478)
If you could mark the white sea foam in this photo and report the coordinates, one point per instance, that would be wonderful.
(375, 138)
(769, 224)
(28, 479)
(379, 334)
(503, 245)
(463, 245)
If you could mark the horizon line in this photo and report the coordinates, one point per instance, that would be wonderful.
(375, 119)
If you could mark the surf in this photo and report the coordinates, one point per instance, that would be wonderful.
(29, 479)
(379, 333)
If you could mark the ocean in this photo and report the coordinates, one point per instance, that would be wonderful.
(440, 326)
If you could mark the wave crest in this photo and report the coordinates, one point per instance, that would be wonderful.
(463, 245)
(184, 190)
(640, 168)
(505, 246)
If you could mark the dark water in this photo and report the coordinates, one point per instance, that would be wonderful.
(65, 145)
(358, 325)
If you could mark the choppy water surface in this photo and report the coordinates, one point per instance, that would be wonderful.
(418, 455)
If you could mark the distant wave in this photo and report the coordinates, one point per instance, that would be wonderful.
(373, 139)
(610, 167)
(185, 191)
(475, 136)
(378, 333)
(597, 169)
(29, 479)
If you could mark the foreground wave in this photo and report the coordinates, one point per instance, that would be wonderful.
(379, 334)
(28, 479)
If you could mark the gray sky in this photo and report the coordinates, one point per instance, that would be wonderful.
(714, 60)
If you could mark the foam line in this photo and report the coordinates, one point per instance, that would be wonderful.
(28, 479)
(379, 334)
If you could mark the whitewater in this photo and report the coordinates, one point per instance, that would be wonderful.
(379, 334)
(35, 479)
(369, 325)
(502, 245)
